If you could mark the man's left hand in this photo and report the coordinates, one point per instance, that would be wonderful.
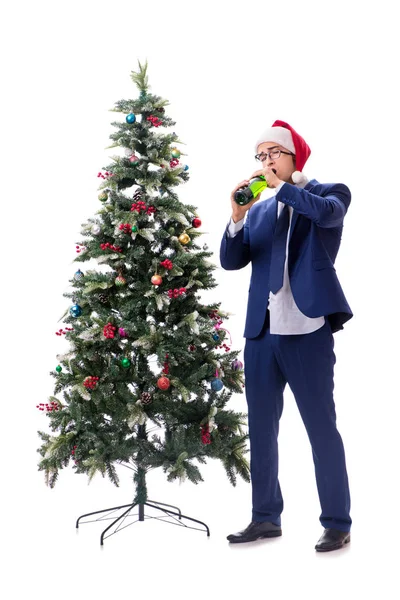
(270, 177)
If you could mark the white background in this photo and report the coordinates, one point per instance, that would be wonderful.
(228, 70)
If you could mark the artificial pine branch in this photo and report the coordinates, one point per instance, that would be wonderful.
(140, 77)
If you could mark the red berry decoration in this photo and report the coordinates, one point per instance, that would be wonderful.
(105, 176)
(163, 383)
(140, 205)
(62, 332)
(173, 163)
(196, 222)
(154, 121)
(205, 434)
(108, 246)
(90, 382)
(73, 454)
(167, 264)
(48, 407)
(227, 348)
(176, 293)
(166, 366)
(109, 331)
(126, 228)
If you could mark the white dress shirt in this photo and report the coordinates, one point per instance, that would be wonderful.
(285, 316)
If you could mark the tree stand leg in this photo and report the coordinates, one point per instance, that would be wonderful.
(141, 517)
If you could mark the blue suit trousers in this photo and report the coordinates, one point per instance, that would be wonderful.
(306, 363)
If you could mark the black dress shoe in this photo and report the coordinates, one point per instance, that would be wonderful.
(332, 539)
(254, 531)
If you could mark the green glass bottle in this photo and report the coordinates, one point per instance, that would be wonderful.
(247, 194)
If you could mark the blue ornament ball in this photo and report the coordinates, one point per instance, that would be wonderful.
(130, 118)
(237, 365)
(217, 385)
(186, 168)
(78, 274)
(75, 310)
(215, 337)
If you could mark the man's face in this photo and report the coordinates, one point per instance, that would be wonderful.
(284, 165)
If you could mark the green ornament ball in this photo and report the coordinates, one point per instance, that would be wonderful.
(126, 363)
(58, 369)
(134, 229)
(175, 153)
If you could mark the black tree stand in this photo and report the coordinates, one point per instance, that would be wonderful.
(141, 516)
(140, 501)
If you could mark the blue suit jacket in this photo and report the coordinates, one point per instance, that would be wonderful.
(315, 235)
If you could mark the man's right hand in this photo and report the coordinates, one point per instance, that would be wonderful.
(238, 212)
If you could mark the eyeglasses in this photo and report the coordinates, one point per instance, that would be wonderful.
(272, 154)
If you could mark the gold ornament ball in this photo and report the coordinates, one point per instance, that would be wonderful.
(156, 280)
(103, 196)
(175, 153)
(184, 238)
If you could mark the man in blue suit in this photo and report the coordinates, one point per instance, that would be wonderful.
(295, 305)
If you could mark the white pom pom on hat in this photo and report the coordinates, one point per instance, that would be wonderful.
(284, 135)
(299, 178)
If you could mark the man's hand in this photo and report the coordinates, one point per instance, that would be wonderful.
(238, 211)
(270, 177)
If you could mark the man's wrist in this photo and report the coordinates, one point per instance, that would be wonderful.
(235, 217)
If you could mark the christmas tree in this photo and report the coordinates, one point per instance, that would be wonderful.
(141, 307)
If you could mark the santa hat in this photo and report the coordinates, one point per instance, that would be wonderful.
(284, 135)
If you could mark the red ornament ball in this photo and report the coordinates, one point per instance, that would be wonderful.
(196, 222)
(163, 383)
(156, 280)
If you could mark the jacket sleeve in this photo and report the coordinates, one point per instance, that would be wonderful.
(325, 211)
(235, 251)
